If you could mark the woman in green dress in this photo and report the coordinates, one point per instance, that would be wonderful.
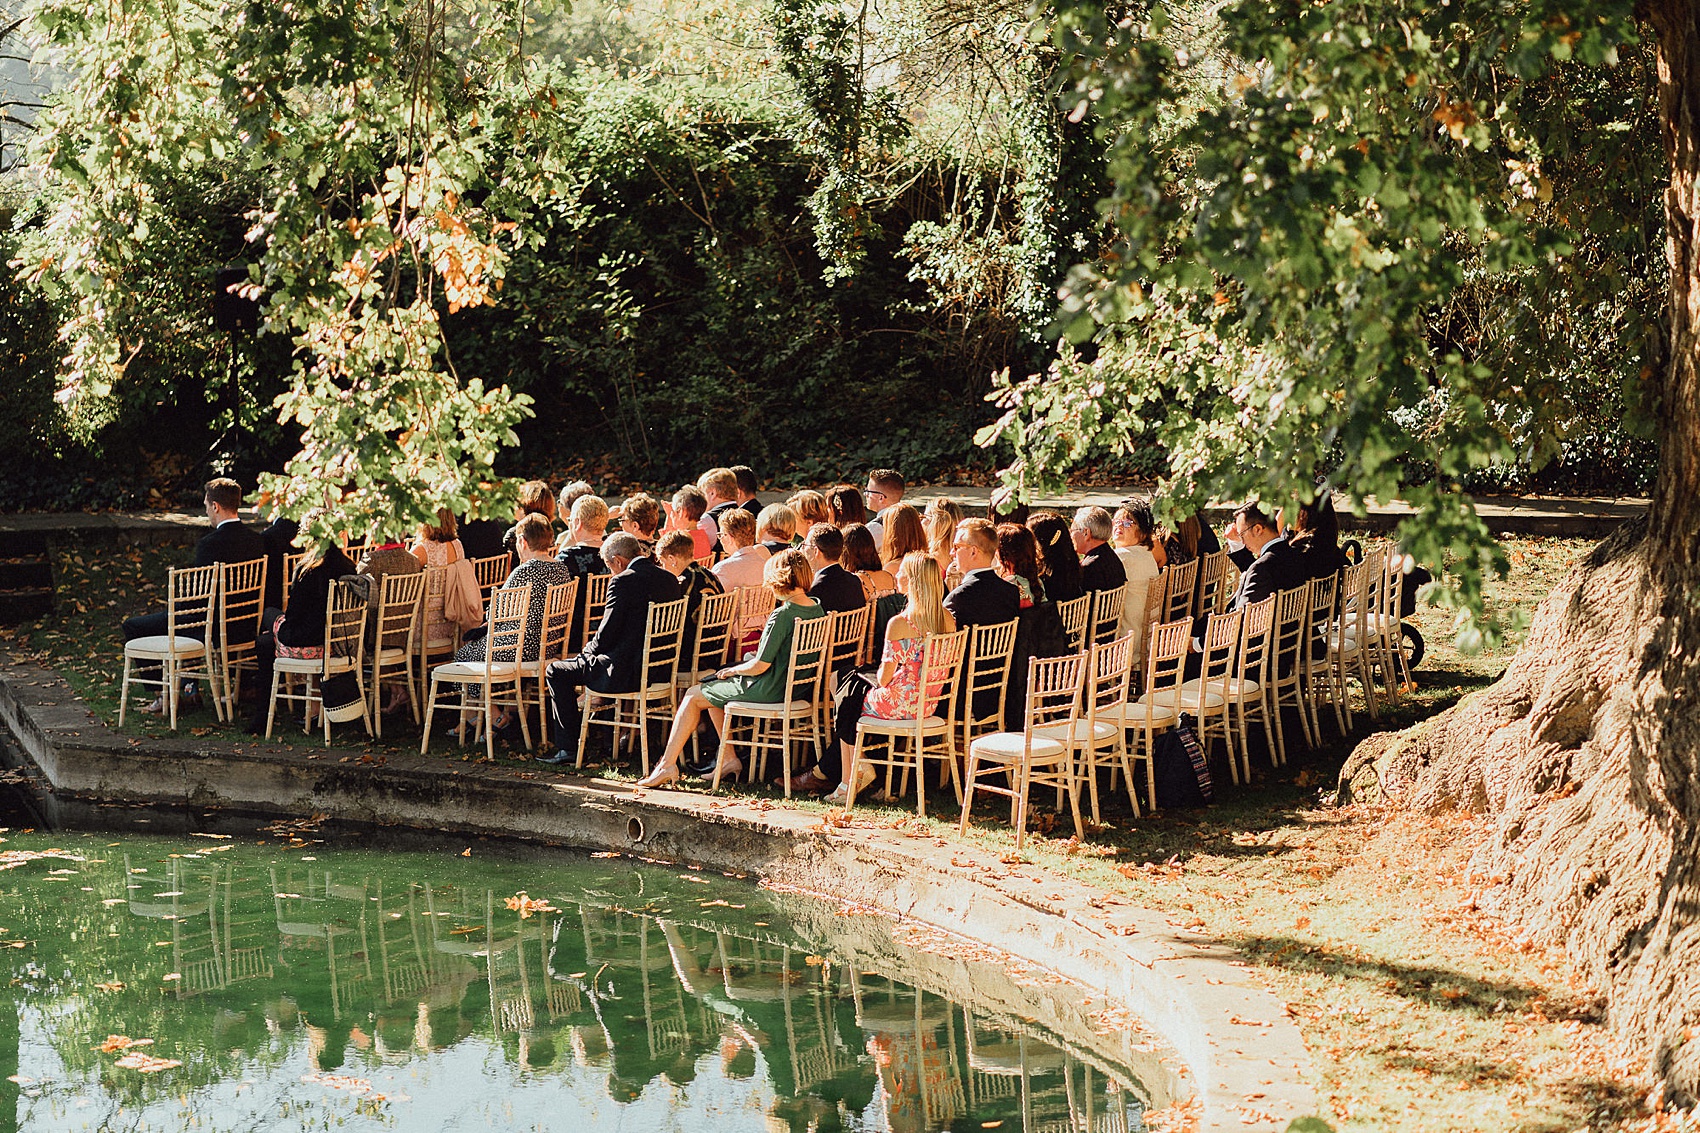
(762, 679)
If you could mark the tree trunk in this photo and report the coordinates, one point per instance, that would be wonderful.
(1587, 750)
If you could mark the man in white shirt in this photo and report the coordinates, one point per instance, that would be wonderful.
(884, 491)
(744, 560)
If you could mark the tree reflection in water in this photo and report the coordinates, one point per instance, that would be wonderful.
(301, 988)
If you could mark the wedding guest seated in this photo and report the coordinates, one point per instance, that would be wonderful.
(1018, 562)
(845, 506)
(836, 589)
(582, 551)
(612, 660)
(535, 498)
(720, 488)
(385, 556)
(298, 632)
(1189, 540)
(893, 692)
(1100, 568)
(1056, 548)
(940, 521)
(810, 508)
(1275, 566)
(764, 678)
(675, 553)
(747, 488)
(1135, 530)
(904, 535)
(1315, 538)
(884, 491)
(640, 517)
(437, 545)
(862, 559)
(776, 527)
(571, 494)
(230, 541)
(537, 569)
(982, 598)
(688, 511)
(279, 540)
(744, 560)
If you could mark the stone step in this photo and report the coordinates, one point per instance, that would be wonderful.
(26, 574)
(23, 605)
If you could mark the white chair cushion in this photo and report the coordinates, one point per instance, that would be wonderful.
(1009, 747)
(1182, 698)
(1133, 715)
(163, 646)
(929, 725)
(1381, 623)
(1238, 688)
(769, 711)
(462, 672)
(391, 656)
(1075, 731)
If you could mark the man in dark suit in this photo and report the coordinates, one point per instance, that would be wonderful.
(1100, 569)
(981, 598)
(1275, 566)
(836, 589)
(612, 660)
(230, 541)
(747, 486)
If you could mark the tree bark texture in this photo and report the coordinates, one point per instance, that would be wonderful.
(1587, 750)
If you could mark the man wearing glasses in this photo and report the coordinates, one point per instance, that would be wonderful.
(884, 490)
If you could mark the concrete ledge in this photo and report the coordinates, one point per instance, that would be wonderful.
(1245, 1058)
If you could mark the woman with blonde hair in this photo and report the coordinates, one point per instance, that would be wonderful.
(764, 678)
(810, 507)
(776, 527)
(904, 534)
(894, 692)
(940, 520)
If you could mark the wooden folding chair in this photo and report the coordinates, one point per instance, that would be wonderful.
(1321, 681)
(400, 599)
(906, 742)
(1076, 615)
(241, 603)
(1212, 582)
(291, 565)
(191, 598)
(427, 647)
(1247, 687)
(1097, 728)
(344, 652)
(1206, 696)
(508, 609)
(1029, 758)
(1177, 590)
(558, 603)
(595, 598)
(1155, 712)
(985, 678)
(774, 727)
(1349, 640)
(1289, 641)
(491, 572)
(843, 650)
(663, 638)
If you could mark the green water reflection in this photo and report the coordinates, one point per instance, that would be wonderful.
(320, 988)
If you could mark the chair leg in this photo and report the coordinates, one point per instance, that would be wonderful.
(430, 710)
(1074, 799)
(725, 750)
(524, 713)
(853, 773)
(1024, 784)
(271, 709)
(171, 689)
(969, 776)
(124, 691)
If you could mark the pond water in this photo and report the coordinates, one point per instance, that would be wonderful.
(216, 983)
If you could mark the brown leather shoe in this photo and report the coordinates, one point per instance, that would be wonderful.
(805, 782)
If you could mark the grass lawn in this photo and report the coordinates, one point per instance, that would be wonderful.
(1420, 1012)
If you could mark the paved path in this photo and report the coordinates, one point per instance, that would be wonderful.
(1590, 517)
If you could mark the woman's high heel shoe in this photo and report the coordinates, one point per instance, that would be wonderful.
(664, 775)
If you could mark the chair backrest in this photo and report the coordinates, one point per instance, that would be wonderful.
(1165, 654)
(991, 648)
(595, 598)
(1053, 691)
(1230, 586)
(849, 628)
(1354, 596)
(941, 667)
(345, 625)
(436, 592)
(1322, 595)
(755, 603)
(1221, 646)
(1212, 581)
(1107, 613)
(714, 630)
(190, 594)
(1107, 679)
(355, 551)
(400, 598)
(705, 561)
(508, 635)
(241, 601)
(1392, 589)
(1292, 619)
(1177, 590)
(810, 638)
(1258, 619)
(491, 572)
(1076, 615)
(291, 566)
(663, 640)
(558, 602)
